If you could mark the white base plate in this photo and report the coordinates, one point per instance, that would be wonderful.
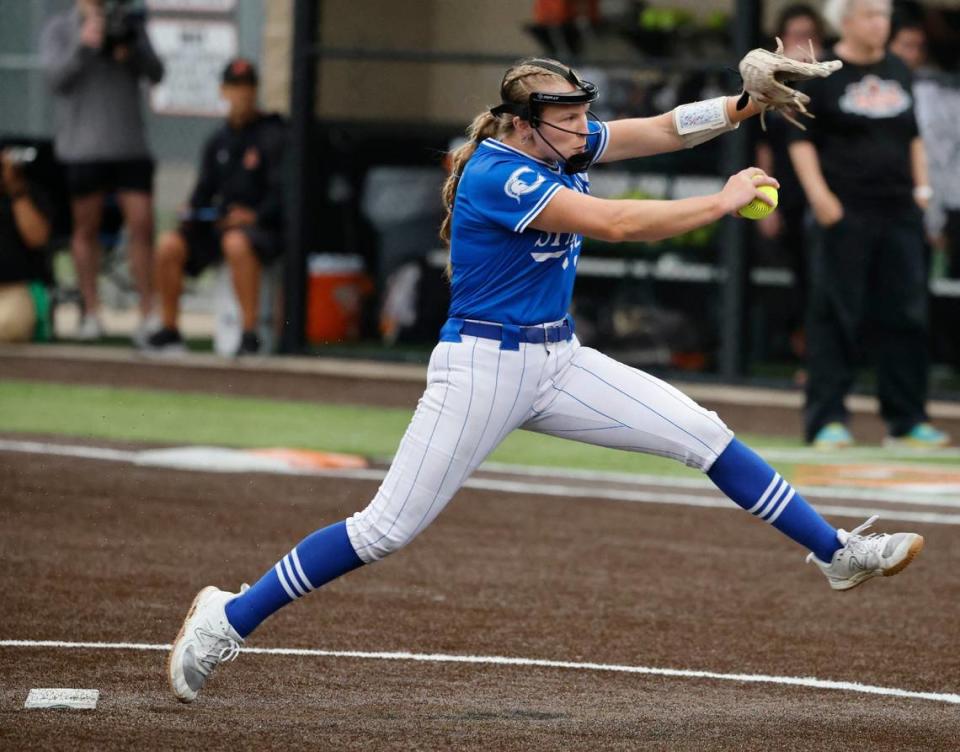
(78, 699)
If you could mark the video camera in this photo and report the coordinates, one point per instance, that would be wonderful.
(121, 24)
(36, 159)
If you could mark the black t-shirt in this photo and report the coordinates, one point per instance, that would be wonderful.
(863, 128)
(244, 166)
(18, 262)
(777, 137)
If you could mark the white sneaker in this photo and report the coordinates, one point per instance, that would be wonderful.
(147, 326)
(205, 640)
(90, 329)
(866, 556)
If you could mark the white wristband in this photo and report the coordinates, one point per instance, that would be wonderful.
(698, 122)
(923, 193)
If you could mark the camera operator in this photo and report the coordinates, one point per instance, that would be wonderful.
(95, 56)
(24, 232)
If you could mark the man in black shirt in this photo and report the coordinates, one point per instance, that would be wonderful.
(24, 232)
(863, 169)
(235, 211)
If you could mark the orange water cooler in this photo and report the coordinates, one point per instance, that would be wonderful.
(336, 288)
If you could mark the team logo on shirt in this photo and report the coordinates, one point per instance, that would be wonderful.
(874, 97)
(515, 187)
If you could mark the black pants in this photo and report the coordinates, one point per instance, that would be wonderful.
(868, 302)
(794, 240)
(952, 231)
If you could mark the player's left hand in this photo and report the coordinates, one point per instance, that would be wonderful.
(766, 75)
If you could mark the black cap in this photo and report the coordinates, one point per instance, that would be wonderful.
(240, 71)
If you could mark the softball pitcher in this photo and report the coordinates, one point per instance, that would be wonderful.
(519, 206)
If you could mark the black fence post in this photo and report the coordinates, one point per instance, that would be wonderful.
(303, 93)
(737, 154)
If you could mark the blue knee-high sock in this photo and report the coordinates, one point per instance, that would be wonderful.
(320, 557)
(744, 476)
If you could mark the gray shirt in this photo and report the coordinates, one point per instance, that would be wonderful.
(97, 100)
(938, 115)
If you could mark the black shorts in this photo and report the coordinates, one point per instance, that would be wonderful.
(84, 178)
(204, 247)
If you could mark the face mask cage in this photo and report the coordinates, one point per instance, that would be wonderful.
(586, 93)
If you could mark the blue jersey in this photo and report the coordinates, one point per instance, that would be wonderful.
(503, 271)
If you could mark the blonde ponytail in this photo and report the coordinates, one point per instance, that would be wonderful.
(484, 125)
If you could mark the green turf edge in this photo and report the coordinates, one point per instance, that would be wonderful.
(178, 418)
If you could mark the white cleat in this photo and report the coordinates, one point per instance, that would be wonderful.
(205, 640)
(90, 328)
(866, 556)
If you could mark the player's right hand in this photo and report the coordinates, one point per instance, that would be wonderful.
(744, 187)
(827, 209)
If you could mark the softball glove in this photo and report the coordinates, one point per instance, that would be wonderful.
(766, 75)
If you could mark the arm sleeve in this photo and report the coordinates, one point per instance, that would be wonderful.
(270, 209)
(512, 193)
(62, 55)
(206, 186)
(145, 59)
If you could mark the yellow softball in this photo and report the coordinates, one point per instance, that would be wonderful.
(758, 209)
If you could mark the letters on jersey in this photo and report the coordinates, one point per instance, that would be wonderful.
(503, 270)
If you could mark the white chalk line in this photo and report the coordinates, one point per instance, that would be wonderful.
(714, 501)
(810, 492)
(497, 660)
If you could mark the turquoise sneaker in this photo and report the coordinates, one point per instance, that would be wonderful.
(832, 436)
(921, 436)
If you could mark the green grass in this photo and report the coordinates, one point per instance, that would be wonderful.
(187, 418)
(179, 418)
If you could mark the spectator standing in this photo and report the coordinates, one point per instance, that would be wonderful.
(95, 65)
(235, 211)
(908, 41)
(798, 26)
(938, 113)
(24, 232)
(863, 169)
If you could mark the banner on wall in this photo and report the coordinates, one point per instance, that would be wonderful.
(192, 6)
(194, 55)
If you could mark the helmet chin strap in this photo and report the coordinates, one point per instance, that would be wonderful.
(575, 162)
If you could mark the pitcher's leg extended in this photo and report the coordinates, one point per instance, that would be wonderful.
(473, 399)
(598, 400)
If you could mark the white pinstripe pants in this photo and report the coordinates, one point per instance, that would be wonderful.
(477, 393)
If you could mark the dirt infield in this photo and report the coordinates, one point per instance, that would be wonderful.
(106, 552)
